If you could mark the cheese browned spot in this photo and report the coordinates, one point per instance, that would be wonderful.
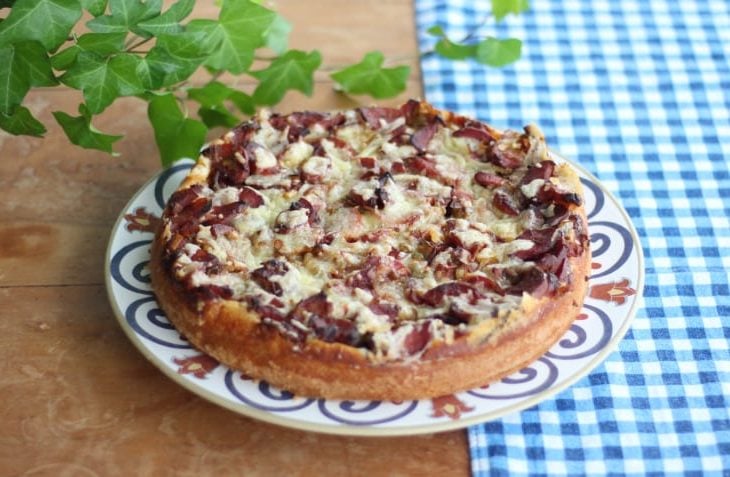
(387, 230)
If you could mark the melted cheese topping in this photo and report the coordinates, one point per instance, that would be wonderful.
(377, 223)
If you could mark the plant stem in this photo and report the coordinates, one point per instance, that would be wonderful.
(181, 102)
(469, 36)
(264, 58)
(130, 48)
(474, 30)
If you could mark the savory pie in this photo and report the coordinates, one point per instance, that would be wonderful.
(375, 253)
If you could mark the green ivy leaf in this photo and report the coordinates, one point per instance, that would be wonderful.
(90, 74)
(125, 15)
(211, 95)
(496, 52)
(240, 29)
(103, 44)
(369, 77)
(502, 8)
(102, 80)
(47, 21)
(22, 122)
(185, 46)
(123, 71)
(65, 58)
(168, 22)
(449, 49)
(159, 69)
(243, 102)
(277, 36)
(436, 30)
(6, 3)
(455, 51)
(211, 30)
(294, 70)
(24, 65)
(176, 56)
(150, 76)
(33, 61)
(81, 132)
(217, 116)
(95, 7)
(215, 94)
(176, 135)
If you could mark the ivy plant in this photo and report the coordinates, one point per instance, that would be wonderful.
(138, 48)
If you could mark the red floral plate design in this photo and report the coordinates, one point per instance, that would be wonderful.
(614, 293)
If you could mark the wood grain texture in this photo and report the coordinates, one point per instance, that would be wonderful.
(77, 395)
(78, 398)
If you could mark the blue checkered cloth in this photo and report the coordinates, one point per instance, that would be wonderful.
(638, 93)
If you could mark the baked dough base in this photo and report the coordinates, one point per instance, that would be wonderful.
(234, 335)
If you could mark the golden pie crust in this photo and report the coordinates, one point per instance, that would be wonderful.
(232, 330)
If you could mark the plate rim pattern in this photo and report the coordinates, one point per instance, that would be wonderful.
(341, 426)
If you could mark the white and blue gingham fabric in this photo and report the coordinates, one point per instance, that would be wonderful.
(639, 93)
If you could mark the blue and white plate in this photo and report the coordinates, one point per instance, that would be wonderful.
(614, 292)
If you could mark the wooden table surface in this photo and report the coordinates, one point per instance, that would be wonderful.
(78, 399)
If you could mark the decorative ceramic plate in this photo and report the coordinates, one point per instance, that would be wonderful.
(614, 290)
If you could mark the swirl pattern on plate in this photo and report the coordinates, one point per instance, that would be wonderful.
(365, 413)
